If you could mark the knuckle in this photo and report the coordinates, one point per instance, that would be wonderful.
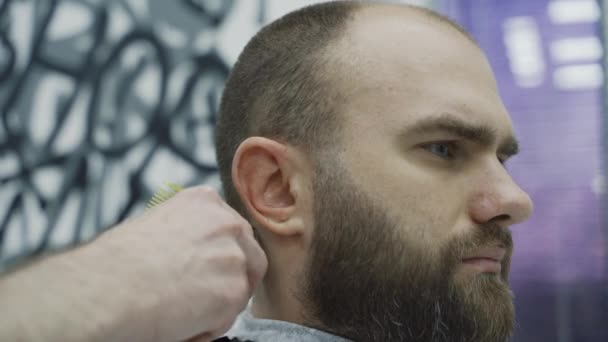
(241, 287)
(236, 258)
(245, 225)
(235, 292)
(230, 258)
(233, 228)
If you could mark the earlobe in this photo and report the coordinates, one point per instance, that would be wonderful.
(263, 174)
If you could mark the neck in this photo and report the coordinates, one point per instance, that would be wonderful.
(274, 298)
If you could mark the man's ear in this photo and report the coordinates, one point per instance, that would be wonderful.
(265, 174)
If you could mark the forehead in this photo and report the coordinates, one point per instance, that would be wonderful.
(402, 66)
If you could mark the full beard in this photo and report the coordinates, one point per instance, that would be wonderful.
(366, 282)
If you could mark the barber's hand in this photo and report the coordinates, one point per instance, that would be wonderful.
(191, 265)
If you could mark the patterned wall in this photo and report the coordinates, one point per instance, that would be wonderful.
(102, 101)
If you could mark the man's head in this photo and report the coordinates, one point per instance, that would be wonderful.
(366, 143)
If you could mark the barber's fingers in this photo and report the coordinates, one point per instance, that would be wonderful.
(255, 256)
(248, 227)
(215, 196)
(257, 262)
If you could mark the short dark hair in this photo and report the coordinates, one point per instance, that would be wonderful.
(285, 85)
(279, 87)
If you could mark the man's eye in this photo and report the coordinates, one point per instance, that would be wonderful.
(442, 150)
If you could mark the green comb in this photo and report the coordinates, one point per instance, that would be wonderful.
(163, 195)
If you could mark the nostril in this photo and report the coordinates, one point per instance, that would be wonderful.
(502, 218)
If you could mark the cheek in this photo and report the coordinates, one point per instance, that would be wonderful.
(424, 215)
(427, 207)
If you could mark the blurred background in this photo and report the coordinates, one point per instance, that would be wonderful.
(102, 101)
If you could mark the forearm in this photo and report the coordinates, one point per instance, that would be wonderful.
(71, 296)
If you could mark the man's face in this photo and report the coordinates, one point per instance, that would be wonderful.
(412, 208)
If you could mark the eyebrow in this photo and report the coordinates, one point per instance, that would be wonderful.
(480, 134)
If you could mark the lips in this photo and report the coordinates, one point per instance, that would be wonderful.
(492, 253)
(488, 259)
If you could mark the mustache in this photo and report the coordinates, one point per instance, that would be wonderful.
(490, 234)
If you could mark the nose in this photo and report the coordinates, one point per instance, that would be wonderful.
(498, 199)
